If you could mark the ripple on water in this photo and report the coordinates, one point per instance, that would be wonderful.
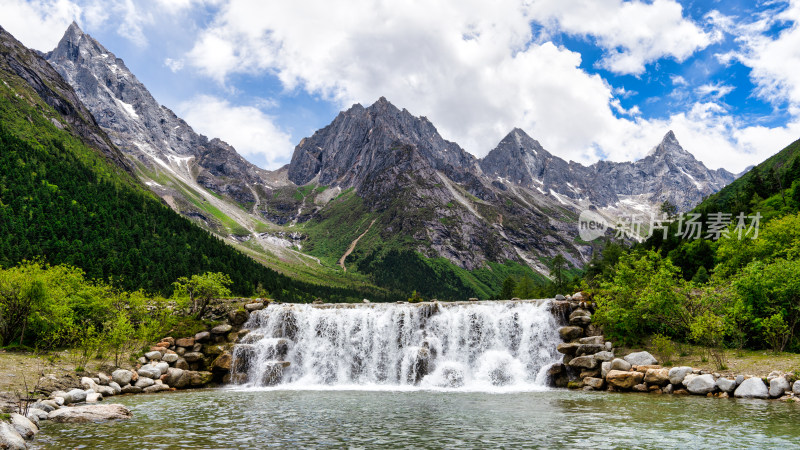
(222, 419)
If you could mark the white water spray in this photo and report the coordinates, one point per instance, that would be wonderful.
(486, 346)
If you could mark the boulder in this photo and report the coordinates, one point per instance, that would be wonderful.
(560, 297)
(162, 367)
(156, 388)
(222, 329)
(9, 438)
(580, 317)
(223, 362)
(172, 376)
(595, 340)
(213, 350)
(726, 385)
(641, 359)
(24, 426)
(739, 379)
(90, 413)
(583, 362)
(201, 337)
(777, 386)
(752, 388)
(153, 356)
(677, 374)
(568, 348)
(200, 378)
(193, 357)
(149, 372)
(589, 373)
(94, 397)
(605, 366)
(624, 380)
(170, 358)
(89, 383)
(77, 395)
(106, 391)
(181, 364)
(144, 382)
(237, 317)
(36, 414)
(185, 342)
(122, 376)
(131, 389)
(594, 383)
(658, 377)
(104, 379)
(180, 351)
(570, 333)
(590, 349)
(620, 364)
(796, 387)
(250, 307)
(116, 387)
(641, 387)
(701, 384)
(604, 356)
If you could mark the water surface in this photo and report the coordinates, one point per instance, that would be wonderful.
(226, 418)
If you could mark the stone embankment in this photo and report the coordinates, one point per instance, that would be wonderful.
(590, 363)
(173, 363)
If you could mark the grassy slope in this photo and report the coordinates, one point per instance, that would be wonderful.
(63, 201)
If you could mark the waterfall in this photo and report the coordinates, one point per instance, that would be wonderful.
(470, 346)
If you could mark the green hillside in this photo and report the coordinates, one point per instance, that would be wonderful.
(62, 201)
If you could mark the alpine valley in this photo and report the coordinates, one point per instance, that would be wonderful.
(377, 201)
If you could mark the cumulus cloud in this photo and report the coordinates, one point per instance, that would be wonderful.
(247, 128)
(38, 24)
(714, 90)
(174, 65)
(632, 33)
(775, 61)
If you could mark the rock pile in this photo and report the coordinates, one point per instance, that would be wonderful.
(589, 363)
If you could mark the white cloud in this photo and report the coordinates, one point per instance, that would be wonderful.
(38, 24)
(633, 33)
(714, 90)
(775, 61)
(246, 128)
(678, 80)
(174, 65)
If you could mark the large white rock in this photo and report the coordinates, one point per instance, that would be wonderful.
(24, 426)
(90, 413)
(677, 374)
(122, 376)
(116, 387)
(620, 364)
(701, 384)
(77, 395)
(726, 385)
(9, 438)
(149, 372)
(641, 359)
(777, 386)
(796, 387)
(752, 388)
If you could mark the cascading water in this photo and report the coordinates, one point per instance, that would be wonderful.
(474, 346)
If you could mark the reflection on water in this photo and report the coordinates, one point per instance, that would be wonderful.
(221, 419)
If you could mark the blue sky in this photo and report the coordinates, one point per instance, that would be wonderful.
(590, 79)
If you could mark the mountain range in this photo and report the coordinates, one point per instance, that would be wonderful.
(377, 197)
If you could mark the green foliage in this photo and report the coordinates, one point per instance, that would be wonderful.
(776, 332)
(92, 319)
(200, 289)
(644, 291)
(415, 298)
(664, 348)
(509, 286)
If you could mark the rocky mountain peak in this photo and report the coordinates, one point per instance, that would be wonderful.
(669, 146)
(359, 141)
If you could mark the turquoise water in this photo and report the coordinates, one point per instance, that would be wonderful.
(223, 419)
